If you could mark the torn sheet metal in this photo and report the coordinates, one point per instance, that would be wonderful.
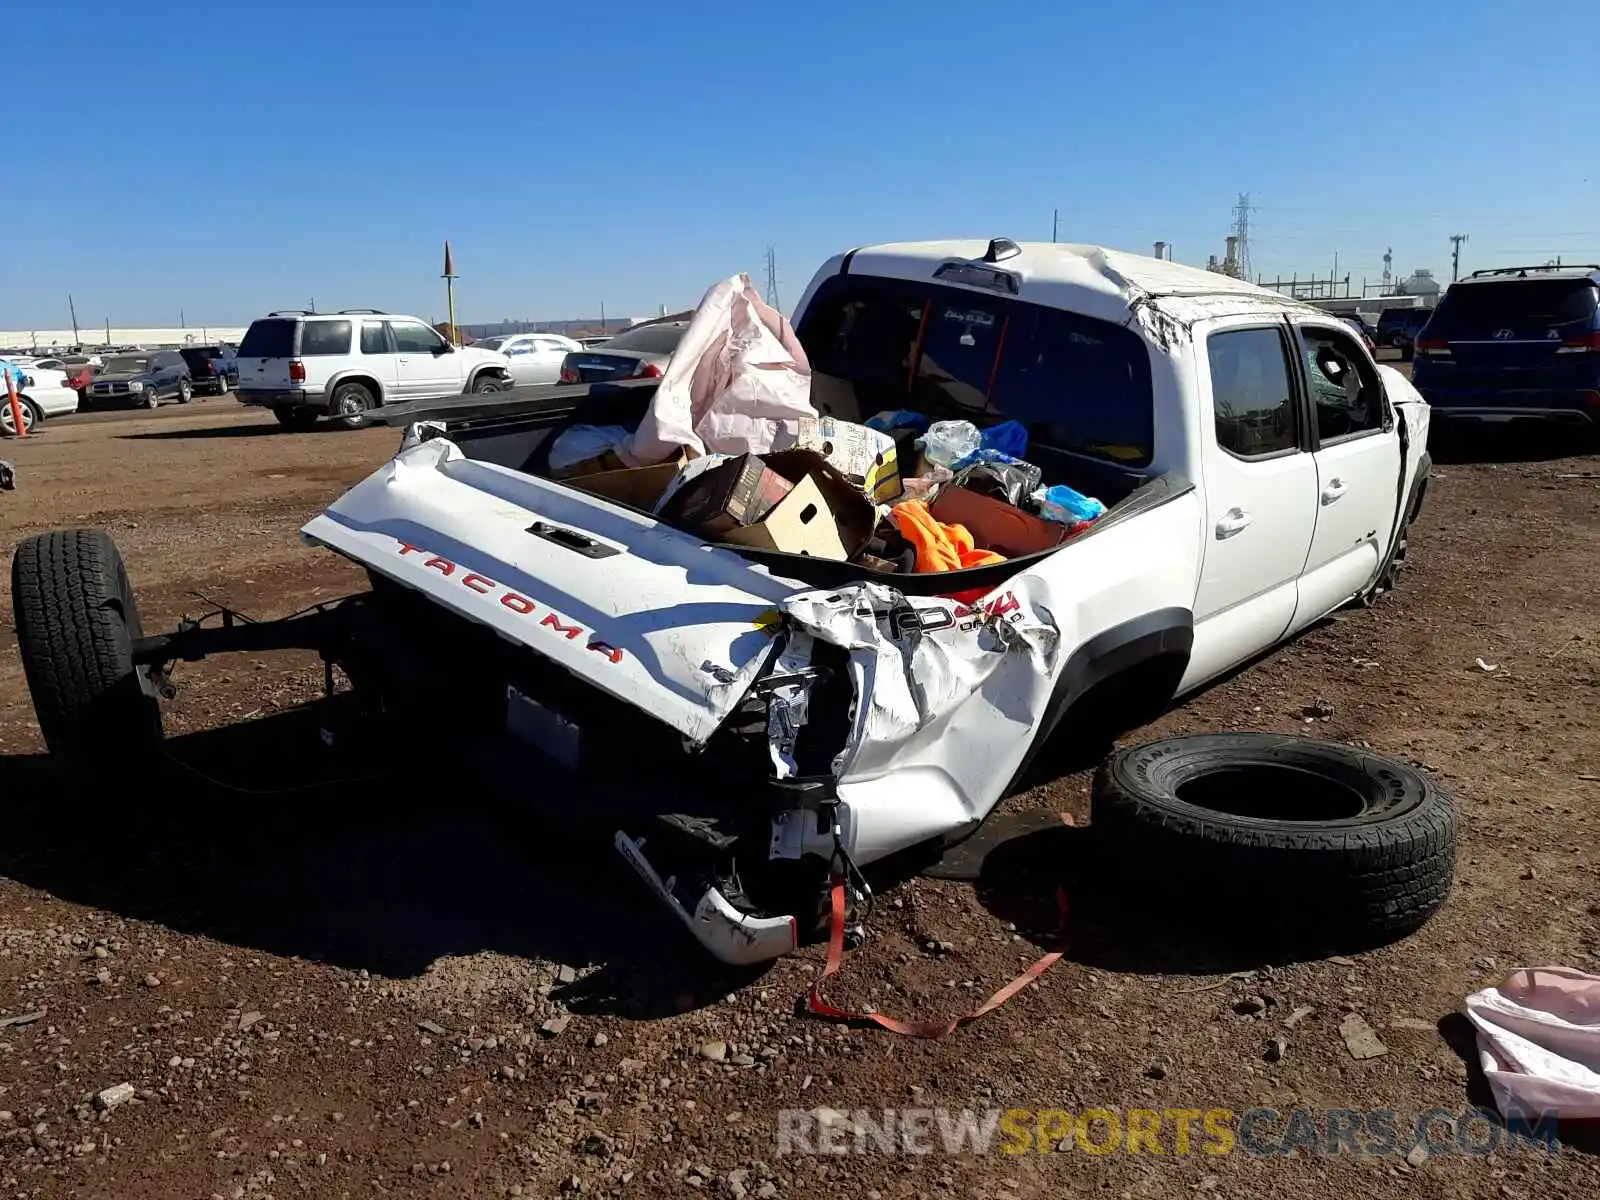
(789, 703)
(418, 432)
(915, 659)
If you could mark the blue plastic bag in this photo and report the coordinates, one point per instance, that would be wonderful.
(900, 418)
(1065, 506)
(1008, 437)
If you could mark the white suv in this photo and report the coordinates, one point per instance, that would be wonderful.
(306, 365)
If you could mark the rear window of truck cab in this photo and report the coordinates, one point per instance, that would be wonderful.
(1078, 383)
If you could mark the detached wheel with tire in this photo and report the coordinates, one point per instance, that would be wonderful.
(1310, 843)
(8, 422)
(351, 405)
(296, 419)
(76, 623)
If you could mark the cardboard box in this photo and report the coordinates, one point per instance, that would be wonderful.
(853, 514)
(727, 497)
(865, 456)
(636, 487)
(606, 461)
(996, 525)
(800, 523)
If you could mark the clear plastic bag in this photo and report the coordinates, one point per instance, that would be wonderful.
(948, 443)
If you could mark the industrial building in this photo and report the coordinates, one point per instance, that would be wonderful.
(42, 341)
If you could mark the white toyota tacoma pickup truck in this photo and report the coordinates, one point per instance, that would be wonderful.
(747, 723)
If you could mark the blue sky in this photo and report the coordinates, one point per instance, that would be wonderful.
(225, 159)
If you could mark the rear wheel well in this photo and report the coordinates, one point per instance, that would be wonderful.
(1134, 696)
(1125, 678)
(366, 381)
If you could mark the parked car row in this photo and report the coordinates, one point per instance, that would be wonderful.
(306, 366)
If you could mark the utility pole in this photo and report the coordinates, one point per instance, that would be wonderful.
(772, 278)
(72, 308)
(450, 291)
(602, 316)
(1055, 223)
(1455, 255)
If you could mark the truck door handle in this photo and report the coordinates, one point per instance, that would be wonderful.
(1233, 521)
(1334, 491)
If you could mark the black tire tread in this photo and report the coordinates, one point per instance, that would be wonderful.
(75, 623)
(1372, 881)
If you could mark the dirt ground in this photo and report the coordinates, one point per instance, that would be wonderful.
(369, 988)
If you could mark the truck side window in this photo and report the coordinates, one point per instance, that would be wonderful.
(1345, 391)
(1252, 398)
(373, 340)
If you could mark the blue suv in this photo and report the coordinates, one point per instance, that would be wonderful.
(1515, 343)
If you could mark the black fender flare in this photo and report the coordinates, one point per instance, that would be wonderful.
(1419, 486)
(1162, 633)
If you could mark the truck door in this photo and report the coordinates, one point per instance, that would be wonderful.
(1357, 452)
(1260, 488)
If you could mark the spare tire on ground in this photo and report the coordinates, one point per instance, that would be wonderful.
(76, 624)
(1284, 838)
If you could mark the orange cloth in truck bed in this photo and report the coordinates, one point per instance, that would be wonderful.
(939, 547)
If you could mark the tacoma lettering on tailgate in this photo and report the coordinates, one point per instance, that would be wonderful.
(514, 601)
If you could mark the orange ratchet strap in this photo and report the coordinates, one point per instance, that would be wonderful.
(818, 1007)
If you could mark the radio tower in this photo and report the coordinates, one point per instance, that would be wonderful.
(772, 279)
(1242, 209)
(1388, 266)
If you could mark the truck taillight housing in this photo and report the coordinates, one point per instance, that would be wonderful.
(1584, 343)
(647, 370)
(569, 374)
(297, 370)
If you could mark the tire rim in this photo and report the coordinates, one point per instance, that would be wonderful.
(350, 406)
(9, 423)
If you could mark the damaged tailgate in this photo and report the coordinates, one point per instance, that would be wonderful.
(651, 615)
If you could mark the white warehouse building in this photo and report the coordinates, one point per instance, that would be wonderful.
(95, 336)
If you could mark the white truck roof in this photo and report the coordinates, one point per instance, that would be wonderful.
(1094, 280)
